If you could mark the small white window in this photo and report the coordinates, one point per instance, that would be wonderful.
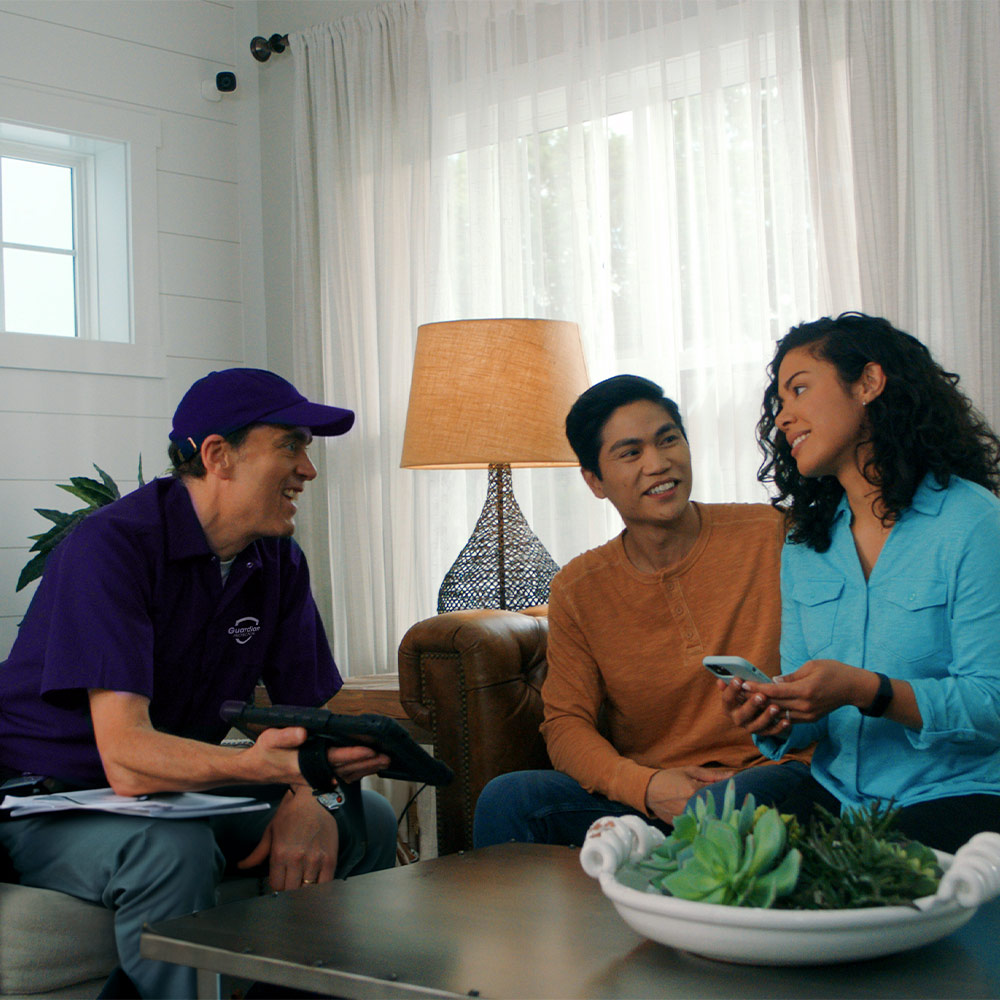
(64, 262)
(78, 217)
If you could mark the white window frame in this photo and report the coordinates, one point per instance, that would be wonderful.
(84, 249)
(138, 348)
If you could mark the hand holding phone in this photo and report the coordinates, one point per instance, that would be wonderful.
(729, 667)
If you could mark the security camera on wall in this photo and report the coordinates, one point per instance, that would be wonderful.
(224, 83)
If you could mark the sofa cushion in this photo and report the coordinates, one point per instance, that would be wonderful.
(40, 929)
(50, 940)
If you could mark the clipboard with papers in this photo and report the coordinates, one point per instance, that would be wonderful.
(162, 805)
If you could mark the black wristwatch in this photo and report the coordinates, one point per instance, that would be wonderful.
(882, 698)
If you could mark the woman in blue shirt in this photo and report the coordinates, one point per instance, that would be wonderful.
(890, 580)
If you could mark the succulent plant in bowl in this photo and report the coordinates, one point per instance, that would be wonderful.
(755, 856)
(740, 857)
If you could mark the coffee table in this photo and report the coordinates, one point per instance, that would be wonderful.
(518, 921)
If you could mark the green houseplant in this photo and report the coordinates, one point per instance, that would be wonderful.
(94, 494)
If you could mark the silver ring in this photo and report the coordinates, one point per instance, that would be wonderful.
(788, 714)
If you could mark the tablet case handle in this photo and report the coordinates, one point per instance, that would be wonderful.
(315, 766)
(317, 770)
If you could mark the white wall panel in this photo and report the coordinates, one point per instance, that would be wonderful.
(199, 147)
(73, 444)
(23, 496)
(54, 56)
(196, 206)
(209, 269)
(68, 413)
(79, 395)
(13, 604)
(164, 24)
(203, 328)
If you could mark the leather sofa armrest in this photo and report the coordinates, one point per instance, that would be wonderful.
(473, 680)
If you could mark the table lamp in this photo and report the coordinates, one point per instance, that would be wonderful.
(494, 394)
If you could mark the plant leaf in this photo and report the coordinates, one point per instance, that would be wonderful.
(93, 493)
(704, 807)
(88, 490)
(58, 517)
(102, 493)
(685, 827)
(728, 800)
(745, 816)
(32, 571)
(714, 857)
(769, 835)
(47, 542)
(761, 893)
(111, 485)
(786, 875)
(726, 841)
(693, 881)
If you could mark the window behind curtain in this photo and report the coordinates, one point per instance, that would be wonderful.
(638, 168)
(659, 197)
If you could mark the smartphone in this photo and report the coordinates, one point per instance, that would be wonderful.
(728, 667)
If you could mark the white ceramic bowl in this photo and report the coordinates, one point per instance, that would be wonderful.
(756, 936)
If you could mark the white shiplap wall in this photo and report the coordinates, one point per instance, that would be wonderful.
(149, 57)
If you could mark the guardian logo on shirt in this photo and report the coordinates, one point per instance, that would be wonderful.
(245, 629)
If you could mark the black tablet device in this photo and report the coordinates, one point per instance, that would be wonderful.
(408, 761)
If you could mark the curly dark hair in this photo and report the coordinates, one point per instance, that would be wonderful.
(920, 423)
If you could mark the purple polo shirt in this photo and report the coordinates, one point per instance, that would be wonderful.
(133, 601)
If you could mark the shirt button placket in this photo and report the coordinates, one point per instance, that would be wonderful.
(680, 613)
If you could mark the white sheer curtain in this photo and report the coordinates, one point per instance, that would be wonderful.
(639, 168)
(684, 180)
(361, 224)
(912, 176)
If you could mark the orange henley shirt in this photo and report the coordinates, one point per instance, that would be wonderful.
(634, 642)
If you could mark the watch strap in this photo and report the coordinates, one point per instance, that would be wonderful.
(882, 698)
(315, 766)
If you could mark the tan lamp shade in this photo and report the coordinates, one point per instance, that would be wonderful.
(493, 391)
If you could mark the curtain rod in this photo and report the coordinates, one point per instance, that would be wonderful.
(261, 48)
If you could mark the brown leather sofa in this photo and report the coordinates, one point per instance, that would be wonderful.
(473, 680)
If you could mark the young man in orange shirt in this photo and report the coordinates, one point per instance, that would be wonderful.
(633, 722)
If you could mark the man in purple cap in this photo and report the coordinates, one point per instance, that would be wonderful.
(151, 614)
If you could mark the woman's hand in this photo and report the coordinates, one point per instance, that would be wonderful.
(819, 687)
(750, 708)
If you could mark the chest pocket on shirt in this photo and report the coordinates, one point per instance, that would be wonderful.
(911, 619)
(817, 603)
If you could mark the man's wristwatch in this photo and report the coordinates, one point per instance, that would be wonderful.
(882, 698)
(331, 800)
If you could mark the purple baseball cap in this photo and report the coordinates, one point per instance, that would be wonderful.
(223, 402)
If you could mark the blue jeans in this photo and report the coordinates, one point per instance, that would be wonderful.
(549, 807)
(148, 870)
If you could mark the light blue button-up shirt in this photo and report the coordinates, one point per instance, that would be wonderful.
(929, 614)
